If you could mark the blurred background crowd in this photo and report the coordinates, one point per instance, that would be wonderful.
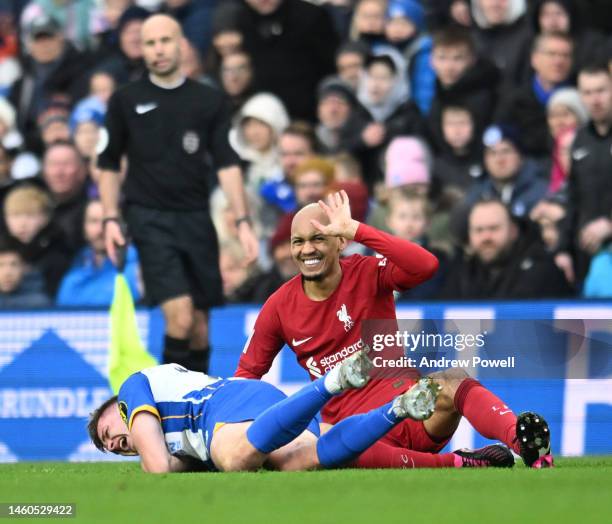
(479, 129)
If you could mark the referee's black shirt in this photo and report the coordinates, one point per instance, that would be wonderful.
(168, 135)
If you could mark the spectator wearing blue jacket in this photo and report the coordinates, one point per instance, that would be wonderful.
(90, 281)
(405, 30)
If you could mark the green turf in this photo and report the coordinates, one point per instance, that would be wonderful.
(577, 491)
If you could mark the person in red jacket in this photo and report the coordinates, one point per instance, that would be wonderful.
(319, 313)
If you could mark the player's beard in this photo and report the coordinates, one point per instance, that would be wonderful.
(314, 278)
(317, 277)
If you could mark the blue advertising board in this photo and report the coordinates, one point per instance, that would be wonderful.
(53, 373)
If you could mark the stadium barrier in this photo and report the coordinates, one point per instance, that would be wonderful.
(53, 372)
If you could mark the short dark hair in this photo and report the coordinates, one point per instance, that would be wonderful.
(304, 130)
(454, 37)
(65, 143)
(9, 245)
(457, 107)
(92, 425)
(557, 35)
(595, 67)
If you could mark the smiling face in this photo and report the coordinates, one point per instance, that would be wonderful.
(316, 255)
(113, 432)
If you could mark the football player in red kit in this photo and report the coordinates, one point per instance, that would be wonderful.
(318, 314)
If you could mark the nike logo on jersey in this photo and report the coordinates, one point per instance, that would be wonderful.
(141, 109)
(580, 153)
(300, 342)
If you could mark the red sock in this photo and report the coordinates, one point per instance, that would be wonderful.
(382, 455)
(486, 412)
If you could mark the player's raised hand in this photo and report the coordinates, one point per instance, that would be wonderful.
(338, 210)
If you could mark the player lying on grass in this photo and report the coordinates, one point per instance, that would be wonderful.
(319, 314)
(180, 420)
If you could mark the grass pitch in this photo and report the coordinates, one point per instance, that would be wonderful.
(577, 490)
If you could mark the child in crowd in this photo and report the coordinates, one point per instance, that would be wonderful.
(409, 216)
(18, 287)
(254, 136)
(405, 30)
(27, 216)
(459, 162)
(85, 123)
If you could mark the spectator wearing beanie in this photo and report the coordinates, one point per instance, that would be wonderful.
(52, 68)
(85, 123)
(405, 30)
(407, 163)
(565, 113)
(515, 180)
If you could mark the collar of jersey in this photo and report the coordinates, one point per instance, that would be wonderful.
(178, 83)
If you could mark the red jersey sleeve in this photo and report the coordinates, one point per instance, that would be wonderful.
(407, 264)
(263, 345)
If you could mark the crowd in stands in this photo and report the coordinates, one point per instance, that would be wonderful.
(479, 129)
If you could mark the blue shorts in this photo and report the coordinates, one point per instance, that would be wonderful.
(241, 400)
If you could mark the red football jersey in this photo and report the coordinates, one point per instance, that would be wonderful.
(324, 333)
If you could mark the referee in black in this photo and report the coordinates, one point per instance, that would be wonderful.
(174, 132)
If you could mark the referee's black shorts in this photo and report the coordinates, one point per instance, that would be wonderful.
(179, 255)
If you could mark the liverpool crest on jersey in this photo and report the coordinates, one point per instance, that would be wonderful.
(345, 318)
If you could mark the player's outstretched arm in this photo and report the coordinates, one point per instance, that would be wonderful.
(149, 442)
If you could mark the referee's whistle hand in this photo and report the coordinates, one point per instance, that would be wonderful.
(249, 243)
(113, 237)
